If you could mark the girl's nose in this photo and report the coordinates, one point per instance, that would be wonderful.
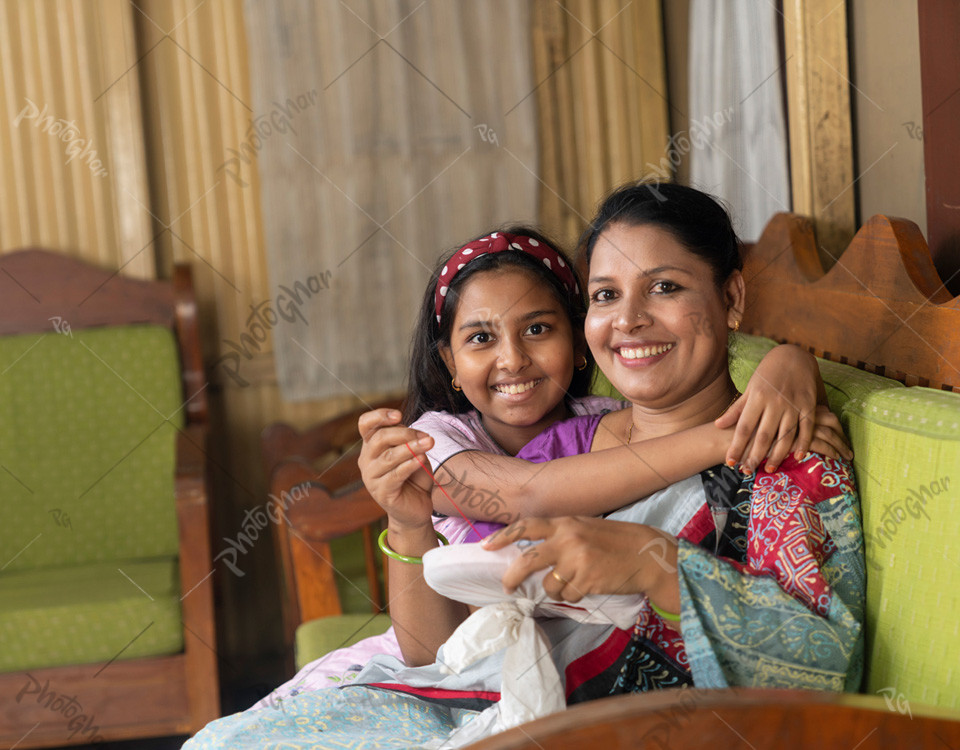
(512, 357)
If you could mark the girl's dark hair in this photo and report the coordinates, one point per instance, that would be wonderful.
(695, 219)
(429, 387)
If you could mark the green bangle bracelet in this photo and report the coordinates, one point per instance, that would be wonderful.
(385, 548)
(664, 614)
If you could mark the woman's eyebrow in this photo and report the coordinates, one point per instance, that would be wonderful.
(648, 272)
(661, 269)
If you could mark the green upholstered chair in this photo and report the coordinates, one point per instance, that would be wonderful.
(906, 443)
(892, 334)
(331, 569)
(106, 608)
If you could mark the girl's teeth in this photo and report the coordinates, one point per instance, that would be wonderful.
(645, 351)
(515, 388)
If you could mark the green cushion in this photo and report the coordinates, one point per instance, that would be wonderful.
(86, 614)
(745, 354)
(846, 384)
(87, 434)
(318, 637)
(907, 445)
(351, 579)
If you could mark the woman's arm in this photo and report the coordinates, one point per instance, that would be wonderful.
(498, 488)
(422, 618)
(488, 487)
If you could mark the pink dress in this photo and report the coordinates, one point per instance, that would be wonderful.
(452, 434)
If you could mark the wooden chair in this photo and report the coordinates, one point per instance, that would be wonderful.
(55, 295)
(315, 480)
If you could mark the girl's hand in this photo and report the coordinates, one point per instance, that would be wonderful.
(393, 476)
(828, 437)
(776, 414)
(593, 556)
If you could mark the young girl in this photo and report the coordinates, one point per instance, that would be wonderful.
(498, 357)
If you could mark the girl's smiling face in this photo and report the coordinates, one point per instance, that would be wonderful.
(657, 322)
(512, 352)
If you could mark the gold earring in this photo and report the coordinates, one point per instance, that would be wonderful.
(583, 365)
(736, 326)
(453, 382)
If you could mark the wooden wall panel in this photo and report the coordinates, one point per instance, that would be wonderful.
(72, 169)
(940, 68)
(818, 114)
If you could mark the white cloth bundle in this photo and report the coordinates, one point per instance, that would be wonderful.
(531, 687)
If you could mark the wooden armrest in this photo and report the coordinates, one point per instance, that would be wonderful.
(191, 464)
(196, 566)
(775, 719)
(309, 516)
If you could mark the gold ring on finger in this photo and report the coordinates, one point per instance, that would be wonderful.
(555, 574)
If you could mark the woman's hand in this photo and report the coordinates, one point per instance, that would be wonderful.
(778, 413)
(594, 556)
(395, 477)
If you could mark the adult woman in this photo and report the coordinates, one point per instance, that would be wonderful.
(767, 574)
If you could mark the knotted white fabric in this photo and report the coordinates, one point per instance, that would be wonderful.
(530, 684)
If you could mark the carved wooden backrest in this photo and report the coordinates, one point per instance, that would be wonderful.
(881, 307)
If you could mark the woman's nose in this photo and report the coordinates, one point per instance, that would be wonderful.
(512, 356)
(632, 315)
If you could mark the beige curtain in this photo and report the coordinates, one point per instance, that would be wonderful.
(385, 132)
(602, 95)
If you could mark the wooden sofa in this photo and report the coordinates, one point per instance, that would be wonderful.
(889, 339)
(882, 310)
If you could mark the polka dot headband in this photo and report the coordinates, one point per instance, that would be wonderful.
(497, 243)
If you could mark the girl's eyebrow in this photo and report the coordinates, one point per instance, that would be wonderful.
(473, 324)
(648, 272)
(539, 314)
(529, 316)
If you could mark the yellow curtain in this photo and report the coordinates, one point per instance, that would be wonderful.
(72, 169)
(602, 99)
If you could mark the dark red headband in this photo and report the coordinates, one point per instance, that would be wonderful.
(497, 243)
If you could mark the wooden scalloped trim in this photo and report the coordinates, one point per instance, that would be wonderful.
(882, 306)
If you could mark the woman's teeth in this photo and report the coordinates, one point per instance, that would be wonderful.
(645, 351)
(514, 388)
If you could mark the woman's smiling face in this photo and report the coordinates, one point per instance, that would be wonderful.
(657, 322)
(512, 352)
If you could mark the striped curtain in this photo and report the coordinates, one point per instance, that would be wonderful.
(603, 105)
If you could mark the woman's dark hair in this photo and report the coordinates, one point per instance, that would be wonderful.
(429, 387)
(695, 219)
